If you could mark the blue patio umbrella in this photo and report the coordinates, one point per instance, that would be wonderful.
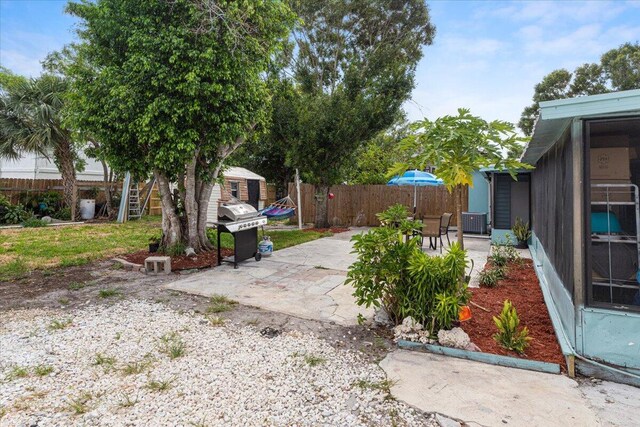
(417, 179)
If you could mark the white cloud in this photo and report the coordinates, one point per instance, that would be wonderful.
(469, 46)
(20, 63)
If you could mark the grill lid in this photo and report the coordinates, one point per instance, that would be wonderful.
(236, 212)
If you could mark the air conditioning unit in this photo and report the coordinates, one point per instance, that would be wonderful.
(474, 222)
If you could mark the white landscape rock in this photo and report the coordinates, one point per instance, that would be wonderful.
(456, 338)
(411, 330)
(228, 375)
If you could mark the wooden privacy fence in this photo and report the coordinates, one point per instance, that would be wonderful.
(357, 205)
(12, 188)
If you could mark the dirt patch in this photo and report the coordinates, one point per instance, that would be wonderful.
(182, 262)
(324, 230)
(48, 284)
(521, 286)
(65, 289)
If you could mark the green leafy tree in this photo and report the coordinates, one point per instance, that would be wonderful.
(353, 66)
(622, 66)
(270, 155)
(31, 121)
(8, 79)
(619, 69)
(458, 146)
(174, 87)
(377, 156)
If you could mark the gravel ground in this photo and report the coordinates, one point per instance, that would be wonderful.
(140, 363)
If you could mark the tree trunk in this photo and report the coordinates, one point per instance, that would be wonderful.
(191, 206)
(206, 188)
(458, 198)
(107, 189)
(63, 154)
(322, 206)
(171, 225)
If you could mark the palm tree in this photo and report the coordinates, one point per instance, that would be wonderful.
(31, 122)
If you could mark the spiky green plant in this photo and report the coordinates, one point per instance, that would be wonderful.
(508, 335)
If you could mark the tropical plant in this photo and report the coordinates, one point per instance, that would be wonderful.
(15, 214)
(521, 230)
(393, 215)
(509, 336)
(353, 66)
(196, 72)
(381, 269)
(63, 214)
(489, 277)
(31, 113)
(431, 276)
(392, 272)
(504, 254)
(457, 146)
(446, 310)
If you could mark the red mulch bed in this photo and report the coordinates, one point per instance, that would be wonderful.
(183, 262)
(324, 230)
(521, 286)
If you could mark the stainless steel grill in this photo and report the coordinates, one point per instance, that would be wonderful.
(241, 220)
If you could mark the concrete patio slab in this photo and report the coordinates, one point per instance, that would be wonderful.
(486, 395)
(306, 281)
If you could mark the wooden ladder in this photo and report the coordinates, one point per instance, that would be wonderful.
(134, 202)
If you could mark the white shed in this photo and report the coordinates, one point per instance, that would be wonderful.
(239, 183)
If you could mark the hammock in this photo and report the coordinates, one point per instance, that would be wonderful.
(281, 209)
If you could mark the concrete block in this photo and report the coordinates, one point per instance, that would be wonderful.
(157, 265)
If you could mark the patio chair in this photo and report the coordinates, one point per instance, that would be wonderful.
(445, 221)
(431, 229)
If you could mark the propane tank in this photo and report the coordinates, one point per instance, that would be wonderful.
(265, 247)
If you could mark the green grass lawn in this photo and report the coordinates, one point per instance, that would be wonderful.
(41, 248)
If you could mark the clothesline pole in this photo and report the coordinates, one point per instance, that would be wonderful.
(299, 200)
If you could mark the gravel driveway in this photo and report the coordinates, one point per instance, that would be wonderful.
(141, 363)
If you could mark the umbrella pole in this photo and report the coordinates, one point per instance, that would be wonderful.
(415, 196)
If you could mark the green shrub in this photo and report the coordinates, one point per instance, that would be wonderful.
(501, 255)
(489, 278)
(52, 201)
(508, 335)
(63, 214)
(446, 310)
(15, 214)
(393, 215)
(395, 274)
(4, 201)
(34, 222)
(521, 230)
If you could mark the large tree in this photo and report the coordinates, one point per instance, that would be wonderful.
(458, 146)
(353, 68)
(174, 87)
(270, 155)
(373, 161)
(31, 121)
(619, 69)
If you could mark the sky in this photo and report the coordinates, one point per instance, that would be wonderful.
(486, 55)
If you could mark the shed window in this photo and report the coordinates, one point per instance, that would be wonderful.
(235, 189)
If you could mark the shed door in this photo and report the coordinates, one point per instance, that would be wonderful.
(253, 187)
